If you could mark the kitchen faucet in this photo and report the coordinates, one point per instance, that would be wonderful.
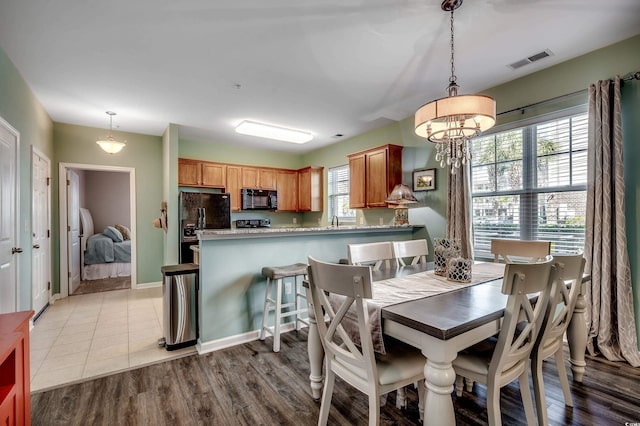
(336, 219)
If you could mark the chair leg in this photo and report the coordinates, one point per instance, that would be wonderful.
(374, 409)
(459, 384)
(401, 398)
(564, 380)
(538, 389)
(469, 384)
(276, 324)
(525, 393)
(493, 405)
(327, 393)
(265, 314)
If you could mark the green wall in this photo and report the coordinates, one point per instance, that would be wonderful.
(76, 144)
(20, 108)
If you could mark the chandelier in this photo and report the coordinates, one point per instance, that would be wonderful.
(452, 121)
(110, 145)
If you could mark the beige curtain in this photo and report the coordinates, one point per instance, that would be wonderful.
(459, 210)
(612, 330)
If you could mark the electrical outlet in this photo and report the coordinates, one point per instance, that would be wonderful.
(287, 288)
(381, 221)
(361, 220)
(295, 220)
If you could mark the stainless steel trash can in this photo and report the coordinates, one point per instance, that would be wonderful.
(180, 305)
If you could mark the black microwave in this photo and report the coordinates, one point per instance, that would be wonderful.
(259, 199)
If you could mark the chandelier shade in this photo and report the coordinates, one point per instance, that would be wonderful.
(109, 144)
(454, 117)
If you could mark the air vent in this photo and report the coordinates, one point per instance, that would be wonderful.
(535, 57)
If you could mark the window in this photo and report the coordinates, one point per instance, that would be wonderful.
(339, 194)
(529, 183)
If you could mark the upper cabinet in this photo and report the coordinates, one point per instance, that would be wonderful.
(373, 174)
(201, 173)
(287, 187)
(310, 189)
(298, 190)
(258, 178)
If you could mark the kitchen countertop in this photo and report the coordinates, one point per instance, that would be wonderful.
(220, 234)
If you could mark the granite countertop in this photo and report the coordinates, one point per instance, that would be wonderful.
(216, 234)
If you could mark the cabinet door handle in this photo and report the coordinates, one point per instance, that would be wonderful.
(36, 246)
(15, 250)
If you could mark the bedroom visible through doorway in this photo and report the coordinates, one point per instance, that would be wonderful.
(99, 210)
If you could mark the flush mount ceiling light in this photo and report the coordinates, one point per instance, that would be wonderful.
(110, 145)
(452, 121)
(268, 131)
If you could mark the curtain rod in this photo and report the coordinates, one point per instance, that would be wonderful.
(628, 77)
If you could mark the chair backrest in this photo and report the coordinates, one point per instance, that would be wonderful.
(353, 282)
(377, 254)
(417, 250)
(522, 318)
(525, 251)
(562, 300)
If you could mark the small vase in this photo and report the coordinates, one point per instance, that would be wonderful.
(444, 249)
(459, 269)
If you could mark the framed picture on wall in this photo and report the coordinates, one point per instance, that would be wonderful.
(424, 180)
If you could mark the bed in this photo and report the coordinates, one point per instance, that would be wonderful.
(103, 255)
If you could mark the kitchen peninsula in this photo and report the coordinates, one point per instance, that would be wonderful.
(232, 287)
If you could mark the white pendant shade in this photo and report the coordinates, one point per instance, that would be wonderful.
(111, 146)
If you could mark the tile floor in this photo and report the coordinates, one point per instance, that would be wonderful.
(92, 335)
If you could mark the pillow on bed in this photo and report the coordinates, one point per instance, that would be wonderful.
(126, 234)
(113, 233)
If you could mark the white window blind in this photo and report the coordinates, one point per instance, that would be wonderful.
(338, 189)
(529, 183)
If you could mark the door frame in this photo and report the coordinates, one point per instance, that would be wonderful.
(16, 208)
(42, 155)
(62, 196)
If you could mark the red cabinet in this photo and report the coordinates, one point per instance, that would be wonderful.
(15, 402)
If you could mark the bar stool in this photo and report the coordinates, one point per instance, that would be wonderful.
(277, 274)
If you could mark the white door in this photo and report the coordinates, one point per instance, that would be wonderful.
(73, 228)
(40, 220)
(9, 251)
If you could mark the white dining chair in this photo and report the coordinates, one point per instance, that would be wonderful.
(497, 363)
(512, 251)
(558, 315)
(370, 373)
(417, 250)
(376, 254)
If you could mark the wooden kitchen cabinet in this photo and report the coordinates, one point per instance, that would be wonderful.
(373, 174)
(287, 187)
(234, 186)
(310, 189)
(258, 178)
(201, 173)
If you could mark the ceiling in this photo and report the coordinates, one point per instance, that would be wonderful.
(326, 66)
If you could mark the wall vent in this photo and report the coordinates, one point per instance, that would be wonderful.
(528, 60)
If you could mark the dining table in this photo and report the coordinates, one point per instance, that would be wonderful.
(442, 325)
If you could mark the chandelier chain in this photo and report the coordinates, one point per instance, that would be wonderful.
(453, 77)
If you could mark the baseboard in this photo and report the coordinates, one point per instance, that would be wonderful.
(148, 285)
(238, 339)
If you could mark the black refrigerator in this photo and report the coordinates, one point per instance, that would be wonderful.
(201, 210)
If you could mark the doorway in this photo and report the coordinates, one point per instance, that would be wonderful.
(40, 231)
(114, 209)
(9, 213)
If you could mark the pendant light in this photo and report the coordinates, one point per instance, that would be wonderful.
(452, 121)
(110, 145)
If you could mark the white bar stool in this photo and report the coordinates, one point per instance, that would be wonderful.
(278, 274)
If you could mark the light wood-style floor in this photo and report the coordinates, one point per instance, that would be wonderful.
(250, 385)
